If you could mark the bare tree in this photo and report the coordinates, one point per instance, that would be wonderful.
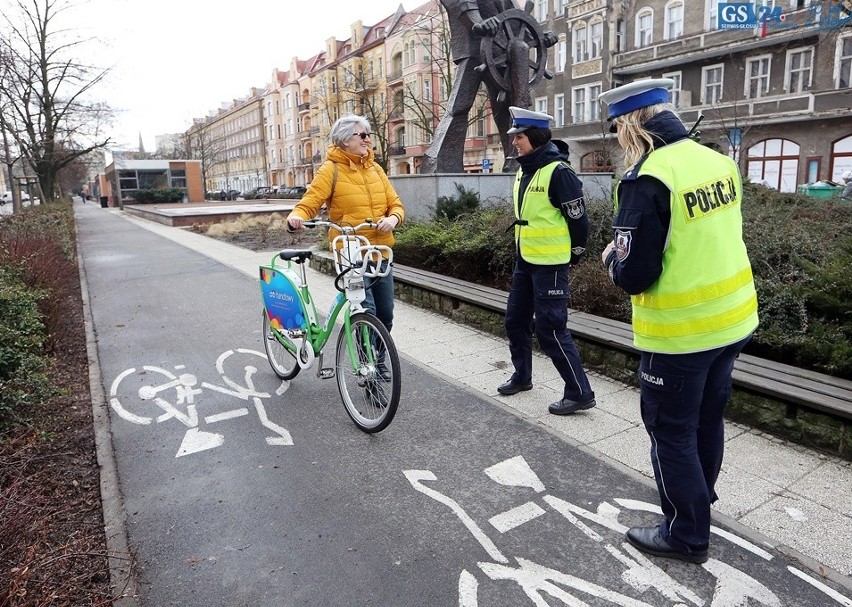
(433, 36)
(202, 143)
(47, 110)
(362, 90)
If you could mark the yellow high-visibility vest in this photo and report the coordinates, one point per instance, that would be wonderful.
(544, 239)
(705, 297)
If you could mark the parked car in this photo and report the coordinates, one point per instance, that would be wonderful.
(296, 191)
(260, 192)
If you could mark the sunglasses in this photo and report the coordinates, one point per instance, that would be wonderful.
(361, 135)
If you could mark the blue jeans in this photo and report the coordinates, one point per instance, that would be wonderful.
(379, 299)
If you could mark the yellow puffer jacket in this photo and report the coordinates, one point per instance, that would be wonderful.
(363, 191)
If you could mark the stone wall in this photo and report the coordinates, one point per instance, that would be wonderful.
(420, 193)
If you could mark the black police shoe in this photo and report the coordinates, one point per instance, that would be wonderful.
(649, 541)
(513, 387)
(566, 406)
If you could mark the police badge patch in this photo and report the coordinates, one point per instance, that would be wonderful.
(623, 239)
(574, 208)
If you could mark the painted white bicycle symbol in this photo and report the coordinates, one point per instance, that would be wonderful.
(154, 394)
(732, 588)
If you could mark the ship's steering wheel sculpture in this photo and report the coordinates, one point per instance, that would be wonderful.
(516, 55)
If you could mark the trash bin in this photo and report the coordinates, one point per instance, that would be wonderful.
(104, 201)
(820, 190)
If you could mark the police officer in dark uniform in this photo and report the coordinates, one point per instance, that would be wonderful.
(678, 251)
(551, 229)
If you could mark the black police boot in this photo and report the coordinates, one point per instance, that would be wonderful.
(566, 406)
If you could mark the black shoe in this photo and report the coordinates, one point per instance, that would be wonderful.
(383, 372)
(567, 406)
(648, 540)
(513, 387)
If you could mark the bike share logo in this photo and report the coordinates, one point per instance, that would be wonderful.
(828, 14)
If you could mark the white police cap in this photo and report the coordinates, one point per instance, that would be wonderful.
(527, 119)
(636, 95)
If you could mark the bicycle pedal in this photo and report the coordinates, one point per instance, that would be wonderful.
(326, 373)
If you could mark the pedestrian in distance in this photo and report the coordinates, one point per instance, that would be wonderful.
(551, 229)
(847, 183)
(678, 251)
(355, 188)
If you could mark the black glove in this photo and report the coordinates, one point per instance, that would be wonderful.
(577, 254)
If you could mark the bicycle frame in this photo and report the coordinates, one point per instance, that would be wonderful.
(291, 308)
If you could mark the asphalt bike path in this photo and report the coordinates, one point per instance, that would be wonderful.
(240, 489)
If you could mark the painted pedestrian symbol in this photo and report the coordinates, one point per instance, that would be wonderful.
(154, 395)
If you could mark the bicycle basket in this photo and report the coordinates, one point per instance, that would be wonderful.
(284, 306)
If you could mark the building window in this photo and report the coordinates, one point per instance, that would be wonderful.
(757, 77)
(586, 106)
(561, 53)
(559, 7)
(541, 104)
(178, 178)
(644, 28)
(674, 20)
(675, 92)
(712, 78)
(774, 163)
(620, 36)
(579, 35)
(427, 90)
(559, 110)
(595, 39)
(843, 62)
(597, 161)
(841, 157)
(799, 70)
(711, 20)
(541, 10)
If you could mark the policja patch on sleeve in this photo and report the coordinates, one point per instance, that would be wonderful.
(574, 209)
(623, 240)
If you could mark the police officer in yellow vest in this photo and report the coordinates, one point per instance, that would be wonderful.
(551, 228)
(678, 251)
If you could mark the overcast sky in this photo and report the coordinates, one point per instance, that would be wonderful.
(174, 60)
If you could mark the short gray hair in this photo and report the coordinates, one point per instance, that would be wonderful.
(344, 129)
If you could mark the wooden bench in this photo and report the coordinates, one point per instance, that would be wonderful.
(800, 387)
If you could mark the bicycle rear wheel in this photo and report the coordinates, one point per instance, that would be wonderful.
(368, 373)
(282, 359)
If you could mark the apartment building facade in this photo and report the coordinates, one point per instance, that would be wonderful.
(775, 97)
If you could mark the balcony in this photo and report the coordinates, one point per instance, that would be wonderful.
(712, 43)
(366, 85)
(305, 107)
(396, 116)
(395, 75)
(396, 151)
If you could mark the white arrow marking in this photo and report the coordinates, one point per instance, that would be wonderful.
(196, 440)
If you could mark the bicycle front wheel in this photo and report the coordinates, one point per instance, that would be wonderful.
(282, 359)
(368, 373)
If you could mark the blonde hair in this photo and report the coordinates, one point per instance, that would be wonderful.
(634, 138)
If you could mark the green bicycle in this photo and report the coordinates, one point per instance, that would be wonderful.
(366, 360)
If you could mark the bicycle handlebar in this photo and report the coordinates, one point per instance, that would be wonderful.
(324, 223)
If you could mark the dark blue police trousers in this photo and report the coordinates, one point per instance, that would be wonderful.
(538, 300)
(683, 398)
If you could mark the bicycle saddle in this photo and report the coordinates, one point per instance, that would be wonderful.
(297, 255)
